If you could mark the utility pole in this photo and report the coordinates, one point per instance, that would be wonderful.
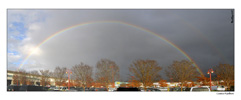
(210, 71)
(68, 72)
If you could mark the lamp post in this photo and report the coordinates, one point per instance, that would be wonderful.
(68, 72)
(210, 71)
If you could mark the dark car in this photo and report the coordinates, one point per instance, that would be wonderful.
(80, 89)
(200, 89)
(175, 89)
(31, 88)
(186, 89)
(154, 89)
(13, 88)
(97, 89)
(101, 89)
(149, 89)
(92, 89)
(46, 88)
(86, 89)
(231, 88)
(72, 89)
(127, 89)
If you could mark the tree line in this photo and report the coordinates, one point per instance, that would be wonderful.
(141, 71)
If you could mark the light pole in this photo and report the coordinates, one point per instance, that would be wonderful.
(210, 71)
(68, 72)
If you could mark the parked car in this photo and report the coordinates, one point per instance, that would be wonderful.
(179, 89)
(162, 88)
(72, 89)
(57, 89)
(214, 88)
(101, 89)
(200, 89)
(46, 88)
(87, 88)
(82, 89)
(232, 88)
(175, 89)
(63, 88)
(155, 89)
(31, 88)
(112, 89)
(149, 89)
(127, 89)
(52, 88)
(141, 89)
(220, 88)
(13, 88)
(186, 89)
(92, 89)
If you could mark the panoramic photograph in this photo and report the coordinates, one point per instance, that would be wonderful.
(120, 50)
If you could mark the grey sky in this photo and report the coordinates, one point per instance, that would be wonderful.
(207, 36)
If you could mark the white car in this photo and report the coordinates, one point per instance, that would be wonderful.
(57, 89)
(221, 88)
(112, 89)
(200, 89)
(60, 88)
(162, 88)
(63, 88)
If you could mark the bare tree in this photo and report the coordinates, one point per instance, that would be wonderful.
(182, 71)
(34, 72)
(163, 83)
(225, 72)
(106, 72)
(45, 77)
(59, 74)
(145, 71)
(204, 80)
(83, 73)
(32, 75)
(16, 79)
(22, 77)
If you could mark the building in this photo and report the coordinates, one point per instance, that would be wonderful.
(16, 78)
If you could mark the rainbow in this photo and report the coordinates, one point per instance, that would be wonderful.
(205, 38)
(198, 31)
(117, 22)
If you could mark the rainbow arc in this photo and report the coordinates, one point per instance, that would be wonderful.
(113, 22)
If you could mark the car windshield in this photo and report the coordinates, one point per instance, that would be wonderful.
(200, 89)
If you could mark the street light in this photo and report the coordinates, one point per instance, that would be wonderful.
(210, 71)
(68, 72)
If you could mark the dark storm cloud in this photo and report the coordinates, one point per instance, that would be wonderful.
(200, 33)
(213, 39)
